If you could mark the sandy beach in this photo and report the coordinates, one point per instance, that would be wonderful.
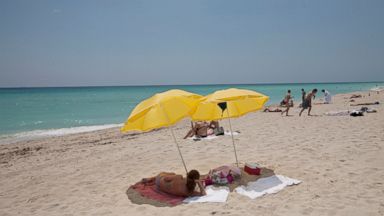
(339, 159)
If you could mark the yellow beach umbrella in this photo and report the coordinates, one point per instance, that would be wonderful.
(162, 110)
(229, 103)
(239, 102)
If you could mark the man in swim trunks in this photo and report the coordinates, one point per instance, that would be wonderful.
(177, 185)
(308, 102)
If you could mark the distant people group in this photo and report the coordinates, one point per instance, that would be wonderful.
(306, 101)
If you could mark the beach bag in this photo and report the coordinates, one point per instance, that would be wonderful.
(222, 175)
(221, 178)
(355, 113)
(219, 131)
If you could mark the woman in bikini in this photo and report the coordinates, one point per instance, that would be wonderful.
(174, 184)
(202, 129)
(287, 102)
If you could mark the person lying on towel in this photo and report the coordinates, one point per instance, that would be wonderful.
(204, 129)
(174, 184)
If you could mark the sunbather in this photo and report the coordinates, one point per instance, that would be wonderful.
(355, 96)
(199, 129)
(367, 110)
(268, 109)
(364, 104)
(174, 184)
(203, 129)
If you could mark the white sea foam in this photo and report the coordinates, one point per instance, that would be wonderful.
(35, 134)
(378, 88)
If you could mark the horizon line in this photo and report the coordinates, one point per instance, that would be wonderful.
(217, 84)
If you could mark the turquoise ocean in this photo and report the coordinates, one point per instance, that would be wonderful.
(33, 112)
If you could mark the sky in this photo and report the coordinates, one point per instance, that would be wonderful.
(132, 42)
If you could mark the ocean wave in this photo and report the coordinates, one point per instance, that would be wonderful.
(29, 135)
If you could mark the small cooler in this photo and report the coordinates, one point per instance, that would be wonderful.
(252, 168)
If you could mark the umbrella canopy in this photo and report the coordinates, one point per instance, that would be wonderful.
(239, 102)
(229, 103)
(162, 110)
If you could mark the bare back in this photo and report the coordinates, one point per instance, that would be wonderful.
(309, 97)
(174, 184)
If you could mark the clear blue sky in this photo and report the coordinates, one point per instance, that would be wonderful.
(83, 43)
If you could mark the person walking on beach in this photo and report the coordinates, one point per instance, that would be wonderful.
(302, 97)
(327, 97)
(308, 102)
(287, 101)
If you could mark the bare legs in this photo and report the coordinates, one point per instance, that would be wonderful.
(309, 111)
(190, 133)
(301, 111)
(152, 180)
(285, 111)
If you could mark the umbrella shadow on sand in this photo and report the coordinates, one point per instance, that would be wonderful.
(135, 196)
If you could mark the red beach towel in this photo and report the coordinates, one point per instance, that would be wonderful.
(150, 192)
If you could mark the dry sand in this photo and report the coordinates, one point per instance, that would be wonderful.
(339, 159)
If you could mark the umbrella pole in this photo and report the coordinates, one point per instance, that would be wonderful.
(233, 140)
(178, 148)
(174, 138)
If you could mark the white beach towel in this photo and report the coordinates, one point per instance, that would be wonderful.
(203, 138)
(210, 137)
(228, 133)
(338, 113)
(214, 194)
(268, 185)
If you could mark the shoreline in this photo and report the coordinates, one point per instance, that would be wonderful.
(31, 135)
(38, 109)
(46, 133)
(337, 158)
